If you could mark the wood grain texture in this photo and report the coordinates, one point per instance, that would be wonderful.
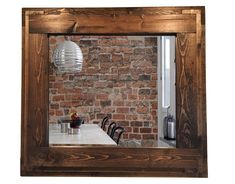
(38, 93)
(118, 24)
(186, 91)
(189, 159)
(97, 160)
(24, 97)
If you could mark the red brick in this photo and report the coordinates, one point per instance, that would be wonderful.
(112, 77)
(66, 111)
(123, 123)
(154, 105)
(135, 136)
(132, 97)
(139, 51)
(101, 84)
(51, 78)
(154, 91)
(148, 136)
(105, 103)
(137, 123)
(121, 42)
(150, 41)
(92, 70)
(155, 130)
(144, 91)
(118, 103)
(65, 104)
(82, 110)
(145, 116)
(142, 110)
(119, 116)
(87, 84)
(52, 40)
(104, 57)
(54, 106)
(51, 112)
(76, 103)
(145, 130)
(117, 57)
(102, 96)
(53, 91)
(125, 136)
(88, 102)
(60, 39)
(131, 117)
(100, 116)
(124, 96)
(149, 51)
(85, 42)
(71, 90)
(73, 97)
(59, 113)
(119, 84)
(108, 109)
(153, 112)
(124, 70)
(89, 96)
(127, 129)
(127, 50)
(97, 103)
(122, 110)
(58, 98)
(152, 97)
(58, 85)
(128, 103)
(147, 124)
(153, 84)
(154, 76)
(138, 84)
(154, 118)
(114, 70)
(126, 58)
(136, 130)
(105, 42)
(137, 42)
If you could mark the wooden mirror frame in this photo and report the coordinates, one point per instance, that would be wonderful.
(188, 159)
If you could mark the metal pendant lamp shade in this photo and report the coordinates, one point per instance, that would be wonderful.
(68, 57)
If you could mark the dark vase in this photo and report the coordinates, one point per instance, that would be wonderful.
(76, 123)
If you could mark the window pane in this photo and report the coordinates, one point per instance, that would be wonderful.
(166, 72)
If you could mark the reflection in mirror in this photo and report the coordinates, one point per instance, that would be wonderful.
(123, 96)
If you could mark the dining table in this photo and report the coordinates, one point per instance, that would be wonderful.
(88, 134)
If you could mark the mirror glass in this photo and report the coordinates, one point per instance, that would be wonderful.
(123, 96)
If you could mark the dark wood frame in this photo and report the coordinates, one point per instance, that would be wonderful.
(188, 159)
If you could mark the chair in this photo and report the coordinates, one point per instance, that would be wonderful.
(110, 128)
(104, 122)
(117, 131)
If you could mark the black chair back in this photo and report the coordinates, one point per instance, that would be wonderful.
(110, 128)
(104, 122)
(117, 131)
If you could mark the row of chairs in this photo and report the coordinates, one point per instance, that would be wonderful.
(114, 131)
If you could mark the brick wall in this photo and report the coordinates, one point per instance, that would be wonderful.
(119, 77)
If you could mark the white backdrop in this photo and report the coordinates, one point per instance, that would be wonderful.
(220, 68)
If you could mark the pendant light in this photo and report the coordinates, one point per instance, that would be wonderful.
(68, 57)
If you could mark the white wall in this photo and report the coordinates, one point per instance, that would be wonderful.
(220, 89)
